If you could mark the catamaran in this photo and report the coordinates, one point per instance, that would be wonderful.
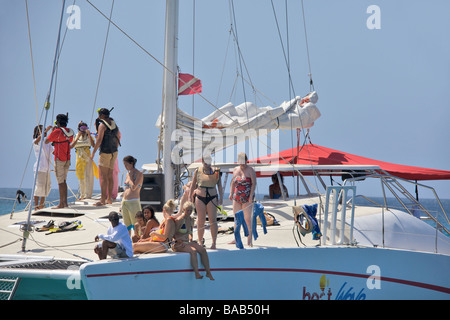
(321, 244)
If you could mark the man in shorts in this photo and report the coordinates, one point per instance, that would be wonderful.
(117, 242)
(108, 142)
(61, 137)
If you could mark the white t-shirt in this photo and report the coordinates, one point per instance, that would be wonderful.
(119, 234)
(44, 164)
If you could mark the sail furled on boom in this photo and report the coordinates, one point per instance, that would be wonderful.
(232, 124)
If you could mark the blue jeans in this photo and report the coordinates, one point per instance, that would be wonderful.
(238, 221)
(258, 211)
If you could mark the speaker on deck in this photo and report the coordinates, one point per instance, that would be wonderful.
(152, 191)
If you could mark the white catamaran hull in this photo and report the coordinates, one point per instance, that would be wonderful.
(325, 273)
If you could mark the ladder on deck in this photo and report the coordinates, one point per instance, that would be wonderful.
(8, 287)
(334, 196)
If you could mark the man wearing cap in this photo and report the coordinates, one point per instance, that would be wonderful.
(116, 242)
(108, 141)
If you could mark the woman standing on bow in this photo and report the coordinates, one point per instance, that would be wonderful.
(131, 199)
(84, 166)
(242, 191)
(43, 182)
(206, 200)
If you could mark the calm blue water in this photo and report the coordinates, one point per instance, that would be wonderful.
(8, 195)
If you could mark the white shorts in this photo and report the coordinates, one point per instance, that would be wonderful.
(117, 252)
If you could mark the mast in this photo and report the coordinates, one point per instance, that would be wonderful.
(170, 93)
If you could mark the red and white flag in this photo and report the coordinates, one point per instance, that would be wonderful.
(188, 84)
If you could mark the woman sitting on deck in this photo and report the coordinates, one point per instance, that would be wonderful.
(152, 224)
(159, 240)
(139, 226)
(184, 243)
(275, 189)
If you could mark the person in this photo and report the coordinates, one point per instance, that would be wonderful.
(184, 243)
(108, 142)
(159, 240)
(43, 181)
(203, 187)
(185, 197)
(152, 222)
(131, 196)
(242, 193)
(116, 242)
(84, 166)
(139, 226)
(61, 137)
(274, 188)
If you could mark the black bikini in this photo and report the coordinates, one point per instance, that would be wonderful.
(207, 181)
(208, 197)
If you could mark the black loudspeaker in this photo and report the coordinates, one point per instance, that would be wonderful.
(152, 191)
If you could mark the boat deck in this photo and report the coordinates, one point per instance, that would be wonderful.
(78, 244)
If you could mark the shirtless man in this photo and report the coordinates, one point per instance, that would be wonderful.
(131, 196)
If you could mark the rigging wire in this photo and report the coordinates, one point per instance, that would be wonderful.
(241, 65)
(311, 83)
(233, 31)
(287, 61)
(47, 106)
(156, 60)
(193, 52)
(32, 62)
(223, 68)
(35, 98)
(101, 64)
(38, 118)
(285, 55)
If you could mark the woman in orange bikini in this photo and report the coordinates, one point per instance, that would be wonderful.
(242, 188)
(206, 200)
(159, 240)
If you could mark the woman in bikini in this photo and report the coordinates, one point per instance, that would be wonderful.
(159, 240)
(206, 200)
(275, 189)
(152, 223)
(242, 188)
(131, 196)
(184, 243)
(139, 227)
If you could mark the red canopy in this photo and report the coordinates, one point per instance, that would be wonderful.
(311, 154)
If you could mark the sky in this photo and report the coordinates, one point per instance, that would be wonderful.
(383, 92)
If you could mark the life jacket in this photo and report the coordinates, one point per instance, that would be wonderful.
(110, 140)
(67, 133)
(207, 180)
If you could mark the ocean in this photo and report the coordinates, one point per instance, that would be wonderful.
(8, 196)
